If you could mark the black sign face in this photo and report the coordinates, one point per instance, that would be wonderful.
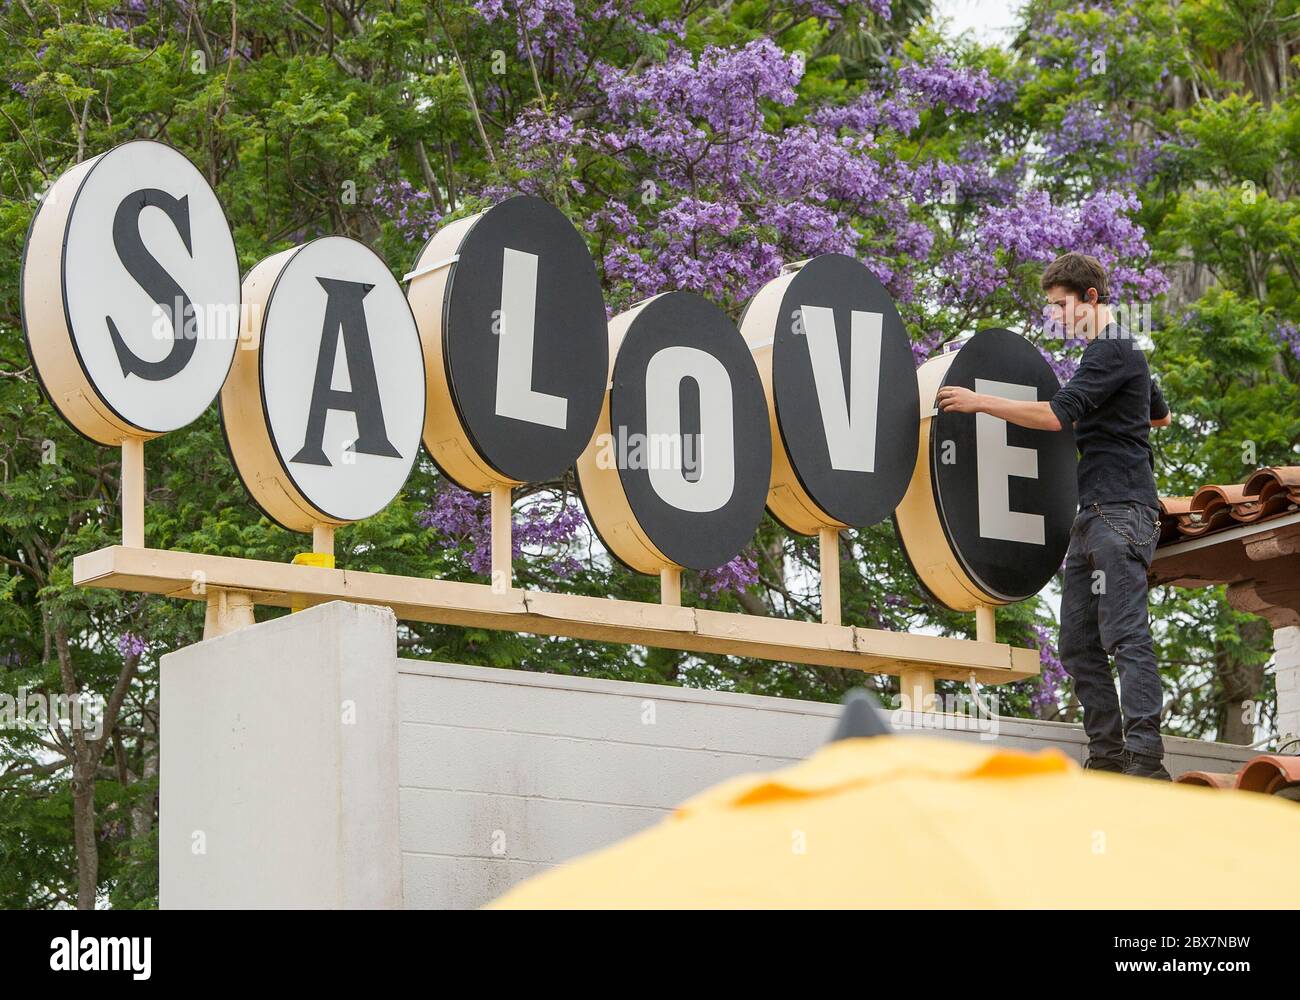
(689, 425)
(845, 390)
(525, 341)
(1006, 495)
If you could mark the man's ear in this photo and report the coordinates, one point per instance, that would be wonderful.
(1091, 296)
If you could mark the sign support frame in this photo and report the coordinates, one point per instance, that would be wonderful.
(670, 586)
(133, 488)
(502, 546)
(829, 540)
(234, 585)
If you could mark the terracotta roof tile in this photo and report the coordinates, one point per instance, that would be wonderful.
(1208, 778)
(1269, 492)
(1267, 774)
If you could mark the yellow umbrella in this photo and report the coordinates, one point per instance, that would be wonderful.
(912, 821)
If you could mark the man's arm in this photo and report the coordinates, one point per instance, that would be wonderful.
(1160, 415)
(1101, 371)
(1022, 413)
(1098, 376)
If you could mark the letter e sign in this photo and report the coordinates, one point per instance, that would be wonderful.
(987, 517)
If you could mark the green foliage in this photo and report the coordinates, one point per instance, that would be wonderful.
(309, 122)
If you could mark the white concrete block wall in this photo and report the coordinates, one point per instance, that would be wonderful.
(1286, 660)
(504, 773)
(321, 771)
(278, 770)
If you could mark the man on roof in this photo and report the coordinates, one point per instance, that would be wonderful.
(1112, 403)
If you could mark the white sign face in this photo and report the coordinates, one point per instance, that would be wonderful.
(997, 461)
(150, 285)
(848, 419)
(342, 377)
(714, 464)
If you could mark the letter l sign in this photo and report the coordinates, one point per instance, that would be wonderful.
(516, 397)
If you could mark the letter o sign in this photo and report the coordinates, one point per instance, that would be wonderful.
(677, 472)
(988, 514)
(324, 406)
(130, 293)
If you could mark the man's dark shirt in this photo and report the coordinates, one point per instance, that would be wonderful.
(1111, 401)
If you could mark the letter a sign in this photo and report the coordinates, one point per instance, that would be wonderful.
(325, 404)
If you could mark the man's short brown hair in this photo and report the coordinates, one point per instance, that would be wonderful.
(1077, 272)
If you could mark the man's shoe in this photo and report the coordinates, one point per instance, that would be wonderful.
(1105, 762)
(1141, 765)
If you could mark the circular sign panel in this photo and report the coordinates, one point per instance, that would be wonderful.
(988, 514)
(677, 472)
(510, 310)
(324, 407)
(130, 293)
(837, 367)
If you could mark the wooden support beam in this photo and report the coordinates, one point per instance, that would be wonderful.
(670, 586)
(133, 492)
(915, 688)
(830, 573)
(228, 611)
(322, 539)
(502, 551)
(272, 584)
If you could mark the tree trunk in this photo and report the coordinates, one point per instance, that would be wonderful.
(1243, 684)
(142, 816)
(85, 762)
(83, 821)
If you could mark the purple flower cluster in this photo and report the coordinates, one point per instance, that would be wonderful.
(546, 524)
(556, 28)
(697, 129)
(940, 83)
(1033, 230)
(1052, 676)
(409, 207)
(738, 575)
(923, 348)
(131, 645)
(1287, 336)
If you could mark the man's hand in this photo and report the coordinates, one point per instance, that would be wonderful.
(957, 399)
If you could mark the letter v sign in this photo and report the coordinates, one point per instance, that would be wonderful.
(850, 423)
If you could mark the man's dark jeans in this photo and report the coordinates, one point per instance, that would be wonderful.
(1104, 613)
